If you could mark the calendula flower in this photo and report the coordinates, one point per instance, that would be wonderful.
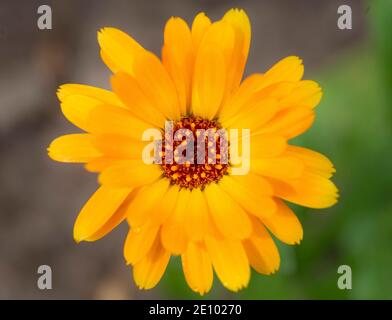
(214, 219)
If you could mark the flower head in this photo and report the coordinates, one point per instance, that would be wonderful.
(203, 200)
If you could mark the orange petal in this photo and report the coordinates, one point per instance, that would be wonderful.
(227, 214)
(255, 201)
(290, 122)
(208, 82)
(102, 96)
(306, 93)
(241, 97)
(310, 190)
(267, 145)
(118, 217)
(145, 202)
(129, 174)
(148, 271)
(258, 112)
(77, 108)
(129, 91)
(282, 167)
(197, 268)
(101, 163)
(97, 211)
(118, 146)
(200, 25)
(284, 224)
(77, 147)
(157, 85)
(239, 52)
(163, 210)
(261, 250)
(287, 69)
(314, 161)
(177, 57)
(174, 236)
(119, 50)
(230, 262)
(197, 216)
(109, 119)
(139, 242)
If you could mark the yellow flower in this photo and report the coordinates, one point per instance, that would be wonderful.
(213, 219)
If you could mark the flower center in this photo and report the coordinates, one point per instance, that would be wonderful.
(199, 153)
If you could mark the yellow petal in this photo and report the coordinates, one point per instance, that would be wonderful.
(118, 146)
(102, 96)
(267, 145)
(120, 49)
(275, 83)
(148, 271)
(97, 211)
(118, 217)
(279, 90)
(261, 250)
(284, 224)
(146, 199)
(287, 69)
(113, 67)
(197, 216)
(255, 201)
(197, 268)
(311, 190)
(240, 97)
(200, 25)
(258, 184)
(314, 161)
(306, 93)
(230, 262)
(177, 57)
(282, 167)
(290, 122)
(129, 91)
(77, 108)
(208, 82)
(130, 174)
(73, 148)
(174, 236)
(157, 85)
(227, 214)
(231, 37)
(257, 113)
(101, 163)
(139, 242)
(239, 52)
(109, 119)
(300, 127)
(162, 210)
(256, 85)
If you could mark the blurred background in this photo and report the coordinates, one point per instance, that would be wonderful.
(40, 199)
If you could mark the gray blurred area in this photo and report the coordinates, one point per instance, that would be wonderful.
(40, 199)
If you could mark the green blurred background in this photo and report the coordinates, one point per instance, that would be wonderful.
(39, 200)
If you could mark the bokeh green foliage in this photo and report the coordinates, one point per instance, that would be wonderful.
(353, 128)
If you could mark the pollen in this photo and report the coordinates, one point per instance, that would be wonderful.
(195, 175)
